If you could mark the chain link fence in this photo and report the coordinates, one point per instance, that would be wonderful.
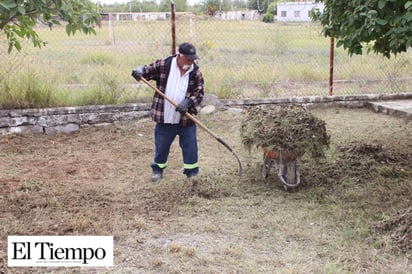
(239, 59)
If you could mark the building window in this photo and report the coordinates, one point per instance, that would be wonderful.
(283, 13)
(297, 13)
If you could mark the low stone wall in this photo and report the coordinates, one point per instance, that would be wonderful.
(360, 100)
(67, 119)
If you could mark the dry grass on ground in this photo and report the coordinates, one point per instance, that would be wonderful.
(352, 213)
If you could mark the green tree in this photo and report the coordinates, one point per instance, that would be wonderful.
(212, 6)
(269, 16)
(180, 5)
(272, 9)
(225, 5)
(381, 26)
(19, 17)
(239, 5)
(147, 6)
(260, 5)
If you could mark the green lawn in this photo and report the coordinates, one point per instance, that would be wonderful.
(239, 59)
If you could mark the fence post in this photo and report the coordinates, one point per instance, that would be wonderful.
(173, 18)
(331, 62)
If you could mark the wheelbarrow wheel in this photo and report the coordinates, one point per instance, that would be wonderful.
(288, 172)
(266, 166)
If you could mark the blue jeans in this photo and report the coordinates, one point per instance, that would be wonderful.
(164, 137)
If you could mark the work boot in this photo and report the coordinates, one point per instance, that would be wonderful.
(156, 176)
(192, 175)
(194, 181)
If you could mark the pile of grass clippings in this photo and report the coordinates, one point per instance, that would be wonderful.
(290, 128)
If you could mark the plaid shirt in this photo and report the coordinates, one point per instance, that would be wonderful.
(159, 72)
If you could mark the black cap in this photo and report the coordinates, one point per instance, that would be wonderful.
(188, 50)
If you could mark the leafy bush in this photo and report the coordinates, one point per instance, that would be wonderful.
(268, 18)
(285, 128)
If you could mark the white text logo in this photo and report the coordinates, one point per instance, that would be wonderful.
(60, 251)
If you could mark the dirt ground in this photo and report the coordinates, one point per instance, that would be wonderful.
(352, 212)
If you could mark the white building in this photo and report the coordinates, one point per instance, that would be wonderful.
(296, 11)
(238, 15)
(140, 16)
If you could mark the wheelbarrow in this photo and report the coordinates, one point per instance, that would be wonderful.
(286, 164)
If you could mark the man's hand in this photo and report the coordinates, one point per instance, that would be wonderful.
(184, 106)
(138, 73)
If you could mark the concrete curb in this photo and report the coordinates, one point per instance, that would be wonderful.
(399, 108)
